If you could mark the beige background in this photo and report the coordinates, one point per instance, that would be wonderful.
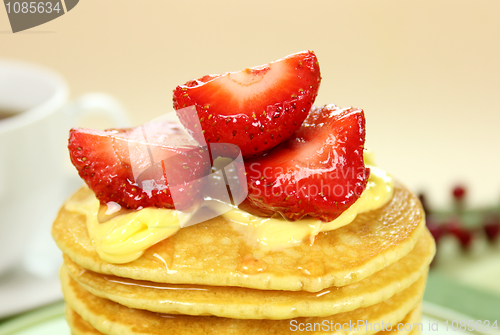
(426, 72)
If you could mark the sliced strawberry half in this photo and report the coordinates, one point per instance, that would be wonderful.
(318, 172)
(256, 108)
(130, 166)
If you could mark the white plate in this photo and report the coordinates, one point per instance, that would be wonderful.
(50, 321)
(21, 291)
(34, 282)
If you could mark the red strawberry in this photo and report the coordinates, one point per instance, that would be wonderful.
(257, 108)
(130, 166)
(319, 171)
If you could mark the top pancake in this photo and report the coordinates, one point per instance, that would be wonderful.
(212, 253)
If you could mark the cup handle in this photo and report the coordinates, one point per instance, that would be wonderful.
(100, 104)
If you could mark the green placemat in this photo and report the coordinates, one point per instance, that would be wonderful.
(482, 305)
(48, 320)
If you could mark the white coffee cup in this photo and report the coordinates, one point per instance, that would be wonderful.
(34, 173)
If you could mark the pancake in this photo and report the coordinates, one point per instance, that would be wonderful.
(244, 303)
(78, 325)
(414, 317)
(81, 327)
(111, 318)
(212, 253)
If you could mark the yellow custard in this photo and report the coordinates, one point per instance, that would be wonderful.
(125, 237)
(276, 233)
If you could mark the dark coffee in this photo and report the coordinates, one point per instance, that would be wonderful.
(6, 113)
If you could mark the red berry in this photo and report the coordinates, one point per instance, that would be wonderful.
(492, 228)
(463, 235)
(107, 160)
(256, 109)
(319, 171)
(459, 192)
(437, 230)
(465, 238)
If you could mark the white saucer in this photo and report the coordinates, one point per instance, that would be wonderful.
(21, 291)
(34, 282)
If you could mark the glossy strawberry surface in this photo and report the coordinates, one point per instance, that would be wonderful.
(318, 172)
(256, 109)
(153, 165)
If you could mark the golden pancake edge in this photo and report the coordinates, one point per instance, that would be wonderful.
(244, 303)
(81, 327)
(114, 319)
(213, 254)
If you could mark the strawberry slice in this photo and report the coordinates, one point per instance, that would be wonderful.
(130, 166)
(319, 171)
(257, 108)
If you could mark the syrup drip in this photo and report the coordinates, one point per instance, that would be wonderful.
(147, 284)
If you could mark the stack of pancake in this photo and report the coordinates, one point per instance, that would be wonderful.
(207, 279)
